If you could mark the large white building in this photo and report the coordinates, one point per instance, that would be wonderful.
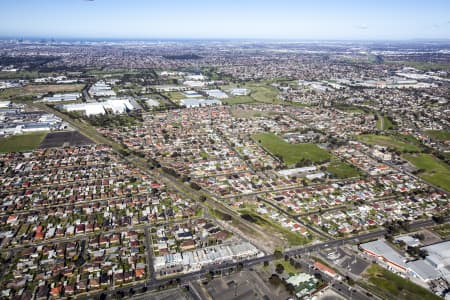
(62, 97)
(101, 89)
(116, 106)
(240, 92)
(191, 261)
(439, 257)
(199, 102)
(218, 94)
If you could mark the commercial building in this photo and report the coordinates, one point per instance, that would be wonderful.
(101, 89)
(240, 92)
(303, 283)
(439, 257)
(199, 102)
(62, 97)
(191, 261)
(216, 94)
(116, 106)
(383, 252)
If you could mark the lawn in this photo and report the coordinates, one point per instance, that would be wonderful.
(440, 135)
(432, 169)
(343, 170)
(23, 142)
(390, 286)
(288, 268)
(291, 153)
(398, 142)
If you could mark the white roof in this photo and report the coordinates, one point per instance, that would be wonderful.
(439, 257)
(382, 249)
(423, 269)
(199, 102)
(5, 103)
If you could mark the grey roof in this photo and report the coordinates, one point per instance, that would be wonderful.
(424, 270)
(380, 248)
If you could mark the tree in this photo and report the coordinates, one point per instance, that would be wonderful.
(239, 267)
(439, 219)
(279, 268)
(275, 279)
(278, 254)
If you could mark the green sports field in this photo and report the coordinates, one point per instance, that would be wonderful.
(291, 153)
(432, 169)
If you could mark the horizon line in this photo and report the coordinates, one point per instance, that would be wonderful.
(139, 39)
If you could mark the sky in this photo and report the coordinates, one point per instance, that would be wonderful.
(227, 19)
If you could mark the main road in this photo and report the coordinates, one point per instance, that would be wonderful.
(181, 279)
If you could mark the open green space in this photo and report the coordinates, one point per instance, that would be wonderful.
(421, 65)
(291, 154)
(263, 93)
(21, 75)
(443, 230)
(259, 92)
(343, 170)
(402, 143)
(440, 135)
(294, 239)
(22, 142)
(238, 100)
(390, 286)
(249, 113)
(431, 169)
(288, 268)
(175, 96)
(111, 72)
(40, 89)
(384, 123)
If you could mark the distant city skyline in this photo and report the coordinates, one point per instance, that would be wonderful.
(244, 19)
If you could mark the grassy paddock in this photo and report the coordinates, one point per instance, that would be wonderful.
(343, 170)
(398, 142)
(384, 123)
(22, 142)
(291, 153)
(238, 100)
(40, 89)
(390, 286)
(294, 239)
(440, 135)
(432, 169)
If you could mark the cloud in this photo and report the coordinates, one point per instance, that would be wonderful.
(362, 27)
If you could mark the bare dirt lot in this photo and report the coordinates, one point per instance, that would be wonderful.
(69, 138)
